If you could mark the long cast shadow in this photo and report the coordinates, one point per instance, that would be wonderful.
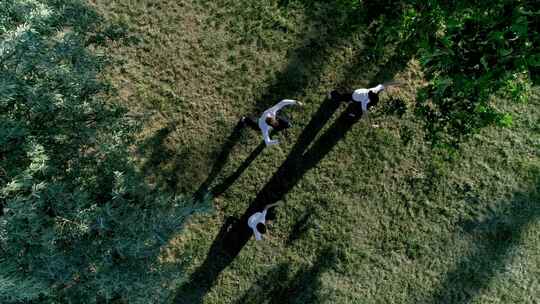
(235, 235)
(305, 66)
(205, 189)
(221, 160)
(227, 182)
(297, 164)
(300, 160)
(228, 244)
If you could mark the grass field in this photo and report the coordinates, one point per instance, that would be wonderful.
(369, 214)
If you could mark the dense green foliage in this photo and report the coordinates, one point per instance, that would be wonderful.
(76, 221)
(477, 50)
(470, 51)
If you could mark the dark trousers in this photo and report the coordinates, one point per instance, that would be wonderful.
(355, 108)
(339, 96)
(283, 123)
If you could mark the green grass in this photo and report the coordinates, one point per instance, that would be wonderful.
(380, 218)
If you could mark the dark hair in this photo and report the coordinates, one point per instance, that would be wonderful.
(272, 121)
(373, 98)
(261, 228)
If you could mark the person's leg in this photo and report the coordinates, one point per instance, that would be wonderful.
(355, 110)
(251, 122)
(338, 96)
(271, 214)
(283, 123)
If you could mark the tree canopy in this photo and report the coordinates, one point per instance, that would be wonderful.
(76, 219)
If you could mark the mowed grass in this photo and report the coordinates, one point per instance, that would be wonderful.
(380, 217)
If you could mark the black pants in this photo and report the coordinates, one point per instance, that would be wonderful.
(355, 108)
(339, 96)
(283, 123)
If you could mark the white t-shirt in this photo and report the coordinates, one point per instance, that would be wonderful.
(256, 218)
(272, 112)
(361, 95)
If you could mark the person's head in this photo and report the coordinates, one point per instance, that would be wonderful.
(373, 98)
(261, 228)
(272, 121)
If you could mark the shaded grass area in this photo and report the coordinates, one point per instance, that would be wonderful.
(368, 215)
(497, 237)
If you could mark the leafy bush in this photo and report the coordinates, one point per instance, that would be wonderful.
(472, 52)
(77, 223)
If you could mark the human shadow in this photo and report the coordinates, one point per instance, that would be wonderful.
(305, 66)
(278, 286)
(495, 237)
(228, 244)
(204, 189)
(304, 155)
(230, 179)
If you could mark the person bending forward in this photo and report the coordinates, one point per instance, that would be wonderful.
(363, 97)
(269, 120)
(257, 222)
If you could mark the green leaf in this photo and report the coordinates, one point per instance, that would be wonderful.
(520, 26)
(534, 60)
(506, 120)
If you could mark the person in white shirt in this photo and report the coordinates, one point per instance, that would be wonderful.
(363, 97)
(257, 222)
(269, 120)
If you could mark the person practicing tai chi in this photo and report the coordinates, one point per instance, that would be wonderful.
(257, 222)
(366, 98)
(269, 120)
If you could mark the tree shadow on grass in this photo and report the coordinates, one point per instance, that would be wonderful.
(278, 287)
(495, 239)
(156, 153)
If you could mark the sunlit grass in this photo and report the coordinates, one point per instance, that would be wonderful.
(402, 224)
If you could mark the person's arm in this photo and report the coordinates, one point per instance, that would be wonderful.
(377, 89)
(266, 135)
(270, 206)
(281, 104)
(364, 107)
(392, 83)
